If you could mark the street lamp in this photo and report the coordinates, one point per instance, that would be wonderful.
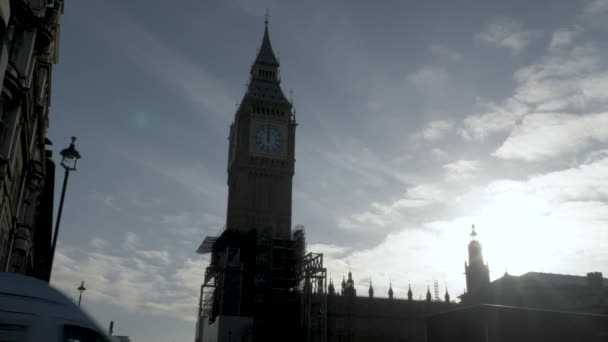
(81, 289)
(69, 159)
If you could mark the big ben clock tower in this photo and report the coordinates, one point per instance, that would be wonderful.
(261, 152)
(251, 283)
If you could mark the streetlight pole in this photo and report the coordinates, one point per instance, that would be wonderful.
(81, 289)
(69, 158)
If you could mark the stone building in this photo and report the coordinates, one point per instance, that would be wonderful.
(352, 318)
(562, 292)
(30, 42)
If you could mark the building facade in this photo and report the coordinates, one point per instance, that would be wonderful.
(536, 290)
(30, 42)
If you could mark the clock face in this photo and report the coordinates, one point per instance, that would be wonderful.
(268, 139)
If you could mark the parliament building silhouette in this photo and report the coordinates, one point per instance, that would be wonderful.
(262, 285)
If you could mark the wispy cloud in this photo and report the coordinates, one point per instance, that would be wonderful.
(461, 169)
(542, 136)
(429, 79)
(507, 33)
(446, 53)
(596, 13)
(520, 213)
(434, 130)
(105, 199)
(139, 281)
(385, 215)
(563, 38)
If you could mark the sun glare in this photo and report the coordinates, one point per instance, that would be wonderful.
(518, 234)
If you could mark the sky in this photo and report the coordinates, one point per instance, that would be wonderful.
(416, 120)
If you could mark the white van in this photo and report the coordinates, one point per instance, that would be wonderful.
(33, 311)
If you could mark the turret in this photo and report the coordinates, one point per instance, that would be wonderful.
(447, 296)
(371, 290)
(410, 295)
(390, 291)
(477, 272)
(349, 286)
(331, 290)
(428, 294)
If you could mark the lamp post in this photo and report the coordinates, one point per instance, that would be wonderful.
(81, 289)
(69, 158)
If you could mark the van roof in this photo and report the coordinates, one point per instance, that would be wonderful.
(25, 286)
(40, 297)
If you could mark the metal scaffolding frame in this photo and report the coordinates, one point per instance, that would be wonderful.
(313, 280)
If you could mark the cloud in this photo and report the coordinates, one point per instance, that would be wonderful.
(564, 93)
(595, 14)
(497, 118)
(385, 215)
(99, 243)
(428, 79)
(572, 80)
(586, 182)
(132, 241)
(154, 255)
(461, 169)
(328, 250)
(551, 219)
(444, 52)
(434, 130)
(563, 38)
(105, 199)
(134, 284)
(439, 154)
(543, 136)
(507, 33)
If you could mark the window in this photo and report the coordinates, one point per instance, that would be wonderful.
(74, 333)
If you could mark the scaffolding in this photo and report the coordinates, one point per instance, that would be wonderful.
(294, 276)
(313, 280)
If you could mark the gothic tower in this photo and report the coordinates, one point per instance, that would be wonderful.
(477, 272)
(261, 152)
(254, 262)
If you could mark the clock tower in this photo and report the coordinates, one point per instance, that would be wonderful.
(251, 283)
(261, 152)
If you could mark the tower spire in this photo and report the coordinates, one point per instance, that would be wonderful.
(266, 17)
(473, 233)
(266, 54)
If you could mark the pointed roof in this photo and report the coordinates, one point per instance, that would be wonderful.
(265, 54)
